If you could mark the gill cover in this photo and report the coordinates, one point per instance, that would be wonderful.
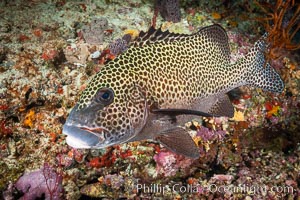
(97, 126)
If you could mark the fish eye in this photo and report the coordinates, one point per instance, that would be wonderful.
(105, 96)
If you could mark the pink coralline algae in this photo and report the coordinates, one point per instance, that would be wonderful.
(222, 178)
(119, 45)
(43, 183)
(168, 163)
(94, 32)
(169, 10)
(210, 135)
(114, 180)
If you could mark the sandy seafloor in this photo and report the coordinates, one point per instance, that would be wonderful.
(45, 64)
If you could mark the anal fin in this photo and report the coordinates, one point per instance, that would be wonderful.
(222, 107)
(179, 141)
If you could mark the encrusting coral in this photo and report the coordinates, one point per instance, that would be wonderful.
(94, 32)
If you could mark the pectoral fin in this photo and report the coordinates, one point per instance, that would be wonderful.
(222, 107)
(182, 112)
(179, 141)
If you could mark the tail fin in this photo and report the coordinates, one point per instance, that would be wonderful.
(260, 74)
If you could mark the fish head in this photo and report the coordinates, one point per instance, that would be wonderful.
(107, 113)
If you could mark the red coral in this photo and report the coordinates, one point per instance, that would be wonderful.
(157, 148)
(23, 38)
(60, 90)
(95, 162)
(268, 106)
(4, 130)
(246, 96)
(107, 160)
(109, 31)
(106, 56)
(4, 107)
(126, 154)
(273, 108)
(49, 54)
(37, 32)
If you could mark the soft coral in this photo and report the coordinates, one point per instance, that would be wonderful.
(281, 27)
(43, 183)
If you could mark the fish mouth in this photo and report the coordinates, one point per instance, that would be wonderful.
(85, 137)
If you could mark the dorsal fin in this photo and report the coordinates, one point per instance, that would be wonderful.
(217, 39)
(214, 36)
(156, 35)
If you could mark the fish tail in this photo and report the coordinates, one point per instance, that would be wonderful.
(260, 74)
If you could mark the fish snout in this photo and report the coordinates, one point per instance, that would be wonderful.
(81, 117)
(81, 131)
(84, 137)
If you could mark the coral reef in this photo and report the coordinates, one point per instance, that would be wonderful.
(169, 9)
(45, 63)
(94, 32)
(209, 135)
(168, 163)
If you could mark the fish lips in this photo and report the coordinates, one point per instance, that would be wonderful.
(85, 137)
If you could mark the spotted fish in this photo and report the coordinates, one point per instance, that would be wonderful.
(162, 81)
